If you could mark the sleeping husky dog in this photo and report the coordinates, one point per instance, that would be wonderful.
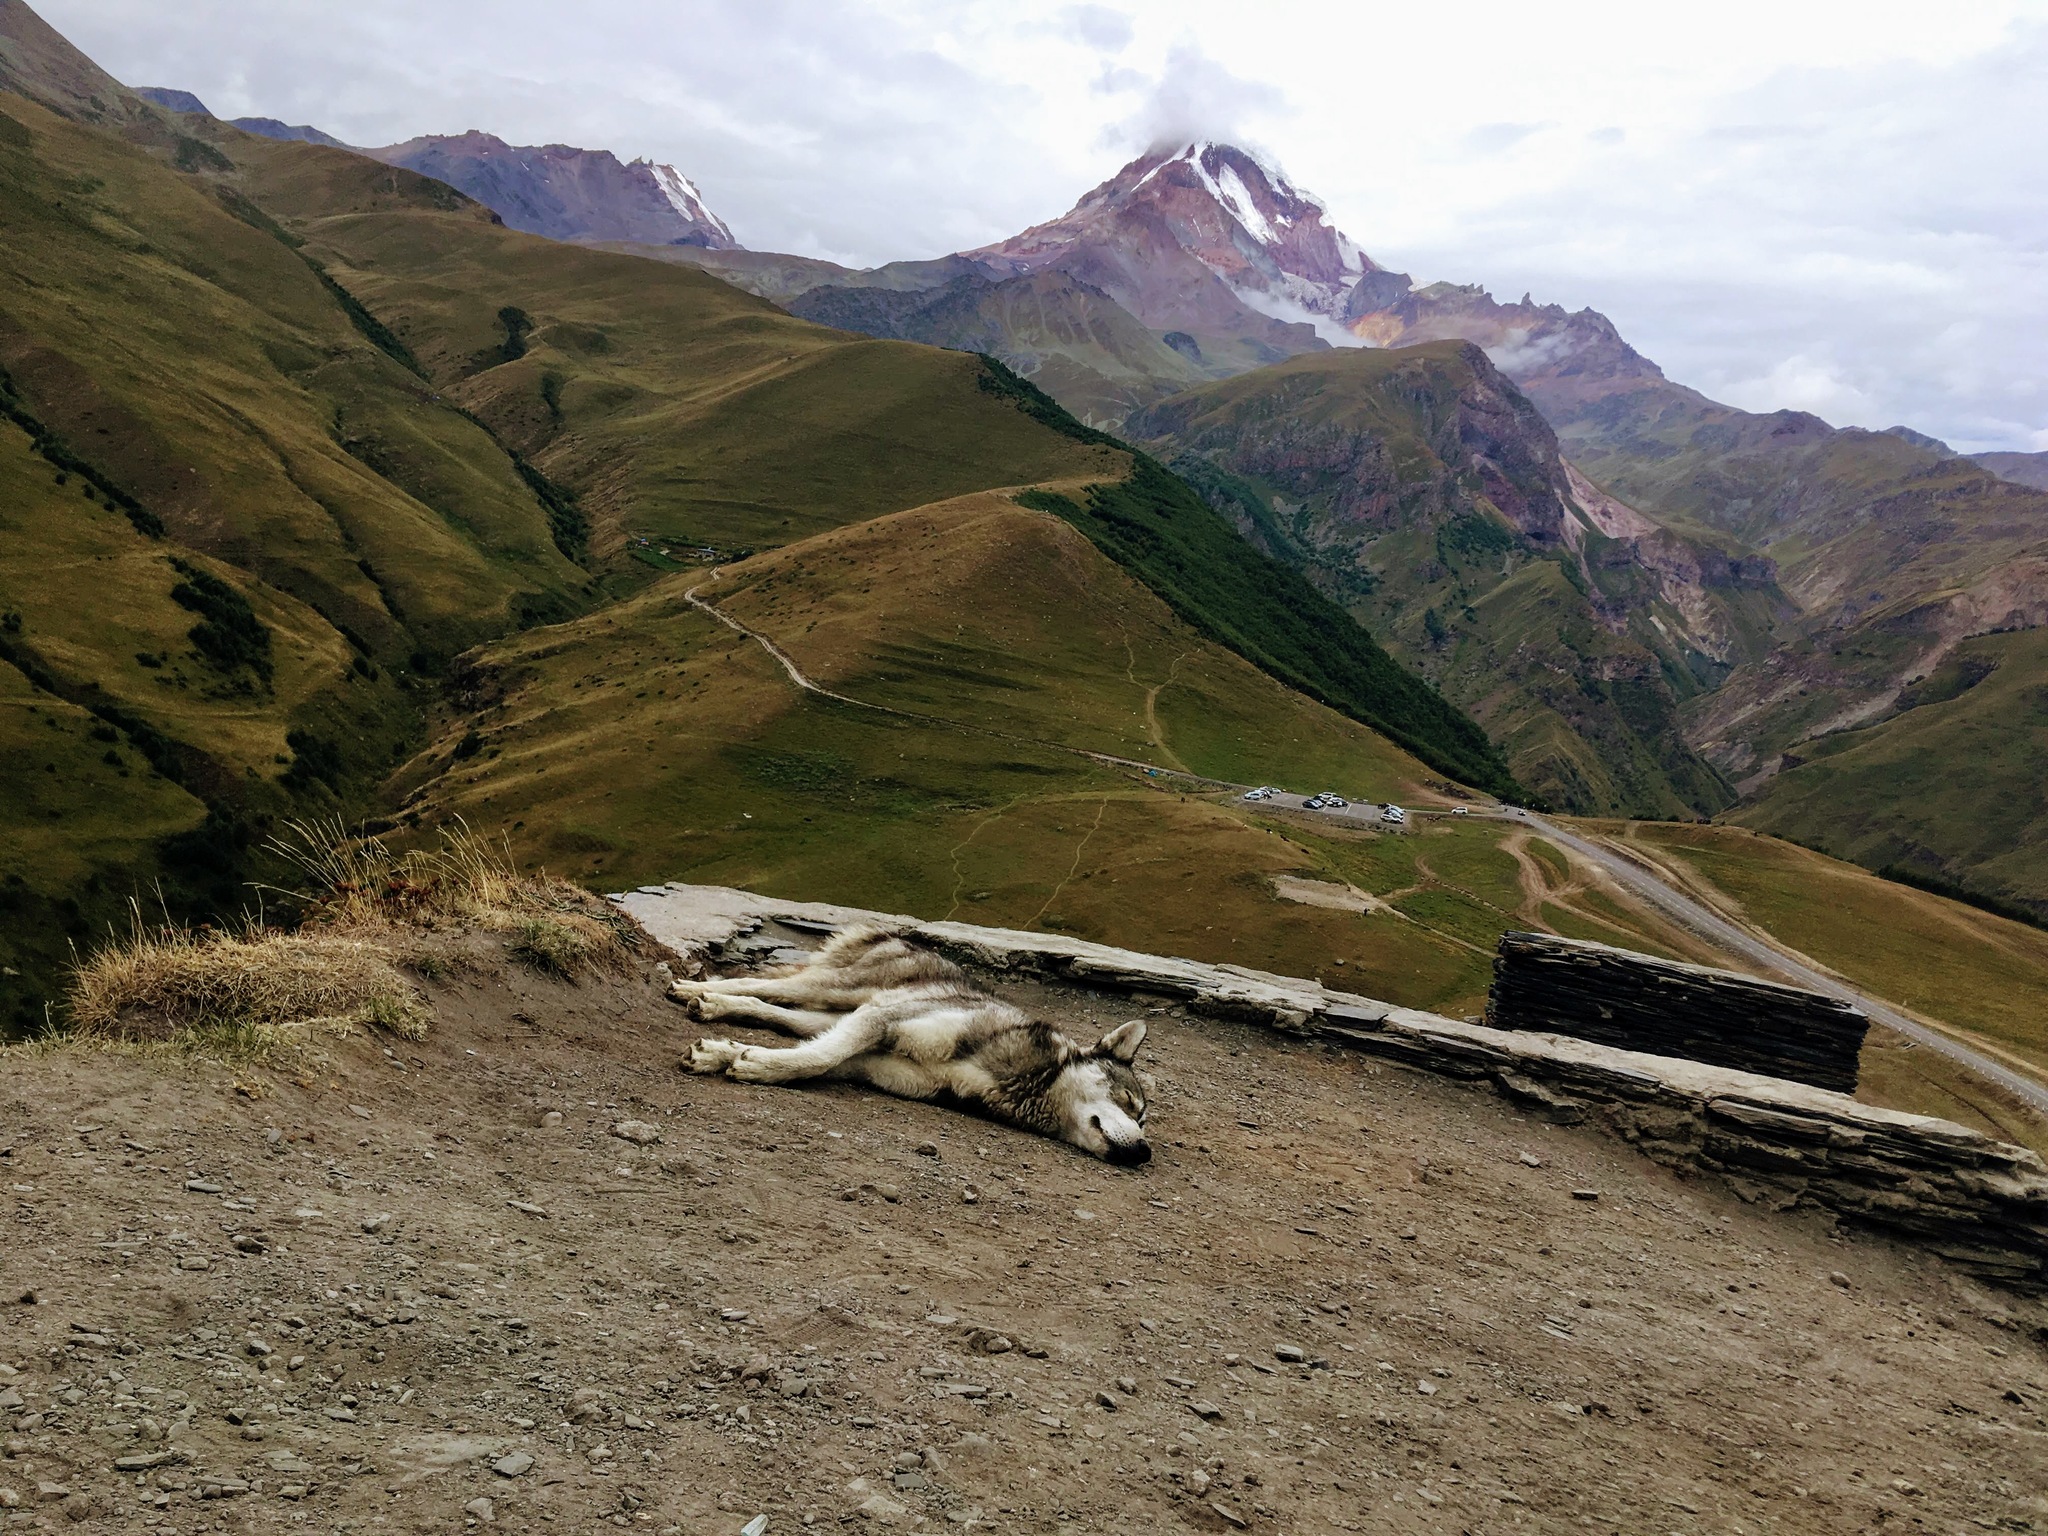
(874, 1008)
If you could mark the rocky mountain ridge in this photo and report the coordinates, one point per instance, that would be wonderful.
(556, 190)
(566, 193)
(263, 127)
(1192, 238)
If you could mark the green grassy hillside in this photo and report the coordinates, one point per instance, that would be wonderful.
(1981, 977)
(1949, 786)
(328, 424)
(993, 647)
(674, 406)
(247, 522)
(236, 532)
(1418, 487)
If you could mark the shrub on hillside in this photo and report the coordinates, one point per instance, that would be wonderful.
(369, 912)
(228, 634)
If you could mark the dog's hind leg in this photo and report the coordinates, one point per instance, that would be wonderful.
(812, 987)
(855, 1034)
(804, 1023)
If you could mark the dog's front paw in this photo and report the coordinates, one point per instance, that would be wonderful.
(719, 1005)
(755, 1065)
(712, 1056)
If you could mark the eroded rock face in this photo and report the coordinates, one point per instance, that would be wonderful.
(1428, 495)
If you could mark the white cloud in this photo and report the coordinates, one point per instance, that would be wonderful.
(1194, 97)
(1799, 383)
(1837, 199)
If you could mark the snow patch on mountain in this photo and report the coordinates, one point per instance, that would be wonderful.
(683, 196)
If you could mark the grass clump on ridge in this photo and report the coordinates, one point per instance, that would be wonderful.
(368, 913)
(162, 984)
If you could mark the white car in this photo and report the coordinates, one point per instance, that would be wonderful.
(1394, 814)
(1331, 802)
(1263, 792)
(1458, 810)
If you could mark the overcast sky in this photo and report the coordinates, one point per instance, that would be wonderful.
(1836, 206)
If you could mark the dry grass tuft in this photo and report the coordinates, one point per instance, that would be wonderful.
(367, 910)
(158, 985)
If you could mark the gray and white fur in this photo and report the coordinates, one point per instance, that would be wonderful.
(875, 1008)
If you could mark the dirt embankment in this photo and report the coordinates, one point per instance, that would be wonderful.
(386, 1290)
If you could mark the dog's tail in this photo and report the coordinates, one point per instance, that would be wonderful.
(851, 942)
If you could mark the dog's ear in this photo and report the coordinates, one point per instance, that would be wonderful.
(1121, 1043)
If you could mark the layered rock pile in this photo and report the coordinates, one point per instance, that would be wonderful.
(1639, 1003)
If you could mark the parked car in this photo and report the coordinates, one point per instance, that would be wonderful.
(1312, 803)
(1332, 801)
(1458, 810)
(1263, 792)
(1394, 814)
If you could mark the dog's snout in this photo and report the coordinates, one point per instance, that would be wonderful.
(1129, 1154)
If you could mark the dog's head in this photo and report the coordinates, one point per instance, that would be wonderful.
(1101, 1100)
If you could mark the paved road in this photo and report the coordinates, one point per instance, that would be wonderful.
(1639, 879)
(1735, 939)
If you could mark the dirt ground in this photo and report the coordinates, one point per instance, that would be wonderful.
(382, 1291)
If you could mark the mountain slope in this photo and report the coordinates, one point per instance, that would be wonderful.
(1075, 343)
(566, 193)
(676, 407)
(331, 422)
(243, 527)
(265, 127)
(38, 62)
(2028, 469)
(1423, 490)
(1947, 786)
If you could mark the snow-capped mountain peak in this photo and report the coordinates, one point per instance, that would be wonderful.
(1232, 211)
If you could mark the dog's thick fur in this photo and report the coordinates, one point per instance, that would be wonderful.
(875, 1008)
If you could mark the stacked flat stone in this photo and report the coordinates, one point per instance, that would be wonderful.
(1665, 1008)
